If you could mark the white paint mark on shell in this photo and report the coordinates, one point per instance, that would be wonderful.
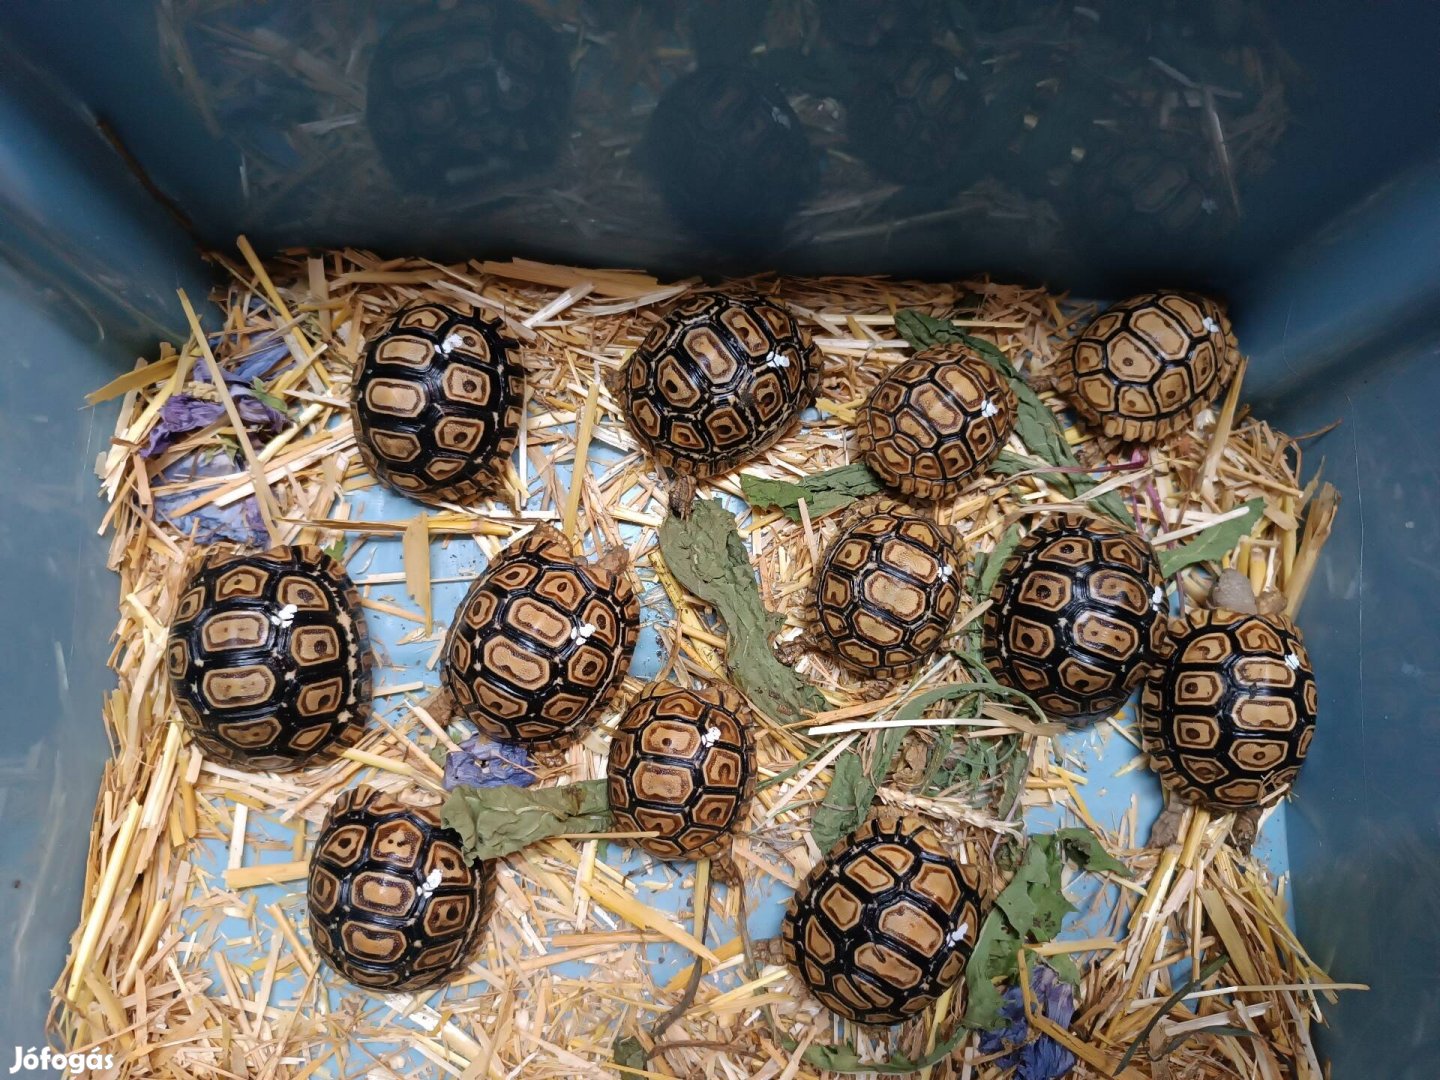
(1211, 326)
(989, 408)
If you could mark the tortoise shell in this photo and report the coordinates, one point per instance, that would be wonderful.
(719, 379)
(541, 642)
(936, 422)
(1147, 365)
(682, 765)
(393, 904)
(459, 99)
(269, 659)
(1077, 616)
(1228, 716)
(436, 403)
(888, 589)
(885, 923)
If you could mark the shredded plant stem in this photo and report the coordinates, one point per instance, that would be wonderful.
(154, 979)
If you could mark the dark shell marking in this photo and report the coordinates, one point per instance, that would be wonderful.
(682, 764)
(269, 659)
(541, 642)
(1147, 365)
(393, 904)
(936, 422)
(887, 591)
(1228, 715)
(436, 403)
(1077, 616)
(717, 381)
(885, 923)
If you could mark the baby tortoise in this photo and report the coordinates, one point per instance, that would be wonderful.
(269, 659)
(1228, 716)
(541, 642)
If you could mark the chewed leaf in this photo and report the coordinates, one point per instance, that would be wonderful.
(706, 555)
(824, 492)
(499, 821)
(1214, 543)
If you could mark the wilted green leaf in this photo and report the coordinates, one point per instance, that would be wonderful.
(706, 555)
(989, 573)
(823, 492)
(1030, 909)
(1214, 543)
(844, 1059)
(846, 801)
(629, 1053)
(498, 821)
(278, 404)
(1036, 425)
(1085, 848)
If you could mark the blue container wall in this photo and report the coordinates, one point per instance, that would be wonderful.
(1100, 147)
(88, 272)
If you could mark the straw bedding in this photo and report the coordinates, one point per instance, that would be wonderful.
(192, 955)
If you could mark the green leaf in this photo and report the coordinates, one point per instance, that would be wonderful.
(706, 555)
(336, 550)
(1037, 426)
(823, 493)
(1085, 848)
(846, 801)
(629, 1053)
(258, 389)
(1031, 908)
(844, 1059)
(498, 821)
(989, 573)
(1214, 543)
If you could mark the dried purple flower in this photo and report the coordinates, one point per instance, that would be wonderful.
(1038, 1057)
(480, 763)
(185, 412)
(240, 521)
(249, 367)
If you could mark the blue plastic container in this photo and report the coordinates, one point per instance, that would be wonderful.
(1285, 157)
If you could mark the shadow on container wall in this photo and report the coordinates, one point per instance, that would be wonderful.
(1094, 145)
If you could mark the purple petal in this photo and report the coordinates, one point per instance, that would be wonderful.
(184, 413)
(250, 367)
(480, 763)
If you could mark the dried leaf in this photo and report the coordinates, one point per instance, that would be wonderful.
(498, 821)
(706, 555)
(1170, 1003)
(1214, 543)
(823, 493)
